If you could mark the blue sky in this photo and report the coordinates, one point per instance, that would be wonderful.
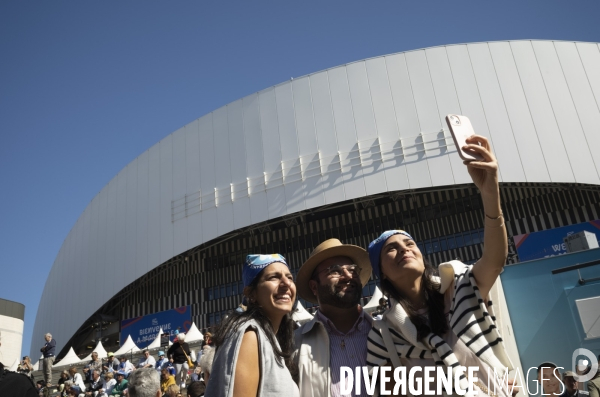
(86, 86)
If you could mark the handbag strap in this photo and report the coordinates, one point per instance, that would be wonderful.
(183, 350)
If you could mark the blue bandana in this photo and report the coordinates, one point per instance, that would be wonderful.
(376, 246)
(255, 263)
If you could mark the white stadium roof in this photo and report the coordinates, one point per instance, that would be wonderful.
(352, 131)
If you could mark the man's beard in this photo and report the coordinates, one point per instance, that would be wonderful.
(341, 299)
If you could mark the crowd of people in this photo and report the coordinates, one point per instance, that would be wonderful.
(112, 376)
(434, 316)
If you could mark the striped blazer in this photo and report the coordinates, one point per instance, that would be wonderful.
(471, 320)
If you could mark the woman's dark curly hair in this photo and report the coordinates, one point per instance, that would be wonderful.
(285, 333)
(435, 321)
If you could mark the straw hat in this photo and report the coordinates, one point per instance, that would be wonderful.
(329, 249)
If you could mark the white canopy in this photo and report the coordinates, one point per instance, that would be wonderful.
(36, 366)
(128, 347)
(98, 349)
(193, 334)
(15, 365)
(301, 314)
(70, 358)
(156, 342)
(374, 302)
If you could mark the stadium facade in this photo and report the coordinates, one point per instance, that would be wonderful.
(346, 152)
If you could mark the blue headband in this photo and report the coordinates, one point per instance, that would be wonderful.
(255, 263)
(377, 245)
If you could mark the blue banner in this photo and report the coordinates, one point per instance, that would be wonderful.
(145, 329)
(549, 243)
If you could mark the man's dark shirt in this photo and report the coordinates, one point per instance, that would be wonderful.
(49, 348)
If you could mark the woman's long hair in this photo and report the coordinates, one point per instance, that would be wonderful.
(434, 300)
(285, 333)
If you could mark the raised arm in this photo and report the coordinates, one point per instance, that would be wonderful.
(495, 242)
(247, 371)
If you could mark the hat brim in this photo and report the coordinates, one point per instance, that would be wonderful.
(358, 255)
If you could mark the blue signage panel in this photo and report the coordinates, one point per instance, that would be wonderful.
(144, 330)
(549, 243)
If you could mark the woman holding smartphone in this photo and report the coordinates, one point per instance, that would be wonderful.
(253, 348)
(443, 317)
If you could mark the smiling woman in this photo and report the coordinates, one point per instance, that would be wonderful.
(444, 319)
(255, 346)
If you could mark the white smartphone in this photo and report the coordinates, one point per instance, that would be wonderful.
(461, 128)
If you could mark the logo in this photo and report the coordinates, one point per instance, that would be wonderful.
(154, 321)
(580, 364)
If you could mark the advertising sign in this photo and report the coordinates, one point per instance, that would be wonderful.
(550, 242)
(145, 329)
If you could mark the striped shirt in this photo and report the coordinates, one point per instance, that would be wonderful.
(471, 320)
(348, 350)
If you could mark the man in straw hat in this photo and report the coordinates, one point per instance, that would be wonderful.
(332, 277)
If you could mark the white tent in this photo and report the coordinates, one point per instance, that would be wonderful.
(193, 334)
(98, 349)
(15, 365)
(301, 314)
(70, 358)
(36, 366)
(128, 347)
(156, 342)
(374, 302)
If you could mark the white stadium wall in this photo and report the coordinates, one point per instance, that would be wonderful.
(352, 131)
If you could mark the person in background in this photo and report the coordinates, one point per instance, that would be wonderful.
(95, 363)
(13, 384)
(41, 388)
(178, 354)
(126, 366)
(206, 363)
(25, 367)
(49, 352)
(144, 382)
(96, 384)
(197, 374)
(147, 361)
(593, 384)
(112, 363)
(76, 378)
(173, 391)
(196, 389)
(64, 376)
(161, 362)
(67, 386)
(208, 338)
(74, 391)
(166, 380)
(571, 385)
(549, 379)
(109, 384)
(121, 385)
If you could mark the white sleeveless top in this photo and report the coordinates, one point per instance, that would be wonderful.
(275, 378)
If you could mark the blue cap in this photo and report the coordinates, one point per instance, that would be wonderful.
(376, 246)
(161, 353)
(121, 373)
(255, 263)
(76, 388)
